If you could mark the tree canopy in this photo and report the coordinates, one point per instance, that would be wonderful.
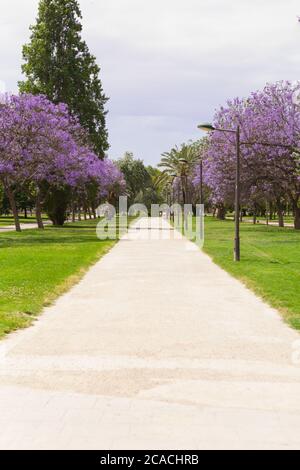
(58, 64)
(43, 151)
(142, 183)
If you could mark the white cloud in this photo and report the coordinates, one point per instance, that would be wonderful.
(2, 87)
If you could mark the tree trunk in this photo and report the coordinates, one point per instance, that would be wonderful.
(13, 207)
(73, 215)
(280, 217)
(25, 213)
(94, 211)
(56, 203)
(38, 212)
(221, 213)
(271, 212)
(267, 213)
(297, 218)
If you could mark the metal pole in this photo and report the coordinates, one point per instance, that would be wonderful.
(183, 189)
(201, 181)
(187, 193)
(186, 201)
(237, 255)
(169, 195)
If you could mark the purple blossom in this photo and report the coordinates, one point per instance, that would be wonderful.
(41, 142)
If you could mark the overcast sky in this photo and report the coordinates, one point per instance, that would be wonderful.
(167, 64)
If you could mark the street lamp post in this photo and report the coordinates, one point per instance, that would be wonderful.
(184, 180)
(174, 176)
(201, 180)
(237, 203)
(237, 132)
(185, 191)
(237, 245)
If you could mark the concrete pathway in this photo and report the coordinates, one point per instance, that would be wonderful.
(156, 348)
(271, 222)
(264, 222)
(12, 228)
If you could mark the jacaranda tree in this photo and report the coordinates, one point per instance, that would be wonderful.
(45, 149)
(270, 134)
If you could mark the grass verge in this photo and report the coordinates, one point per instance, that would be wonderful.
(270, 262)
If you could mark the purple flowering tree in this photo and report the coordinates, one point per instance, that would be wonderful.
(44, 148)
(266, 117)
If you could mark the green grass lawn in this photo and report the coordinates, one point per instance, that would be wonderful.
(37, 266)
(270, 262)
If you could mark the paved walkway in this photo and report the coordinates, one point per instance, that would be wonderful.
(271, 222)
(264, 222)
(155, 348)
(12, 228)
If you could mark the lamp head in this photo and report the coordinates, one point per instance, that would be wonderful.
(207, 127)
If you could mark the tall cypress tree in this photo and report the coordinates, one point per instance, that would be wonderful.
(59, 65)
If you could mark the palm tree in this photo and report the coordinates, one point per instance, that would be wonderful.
(179, 163)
